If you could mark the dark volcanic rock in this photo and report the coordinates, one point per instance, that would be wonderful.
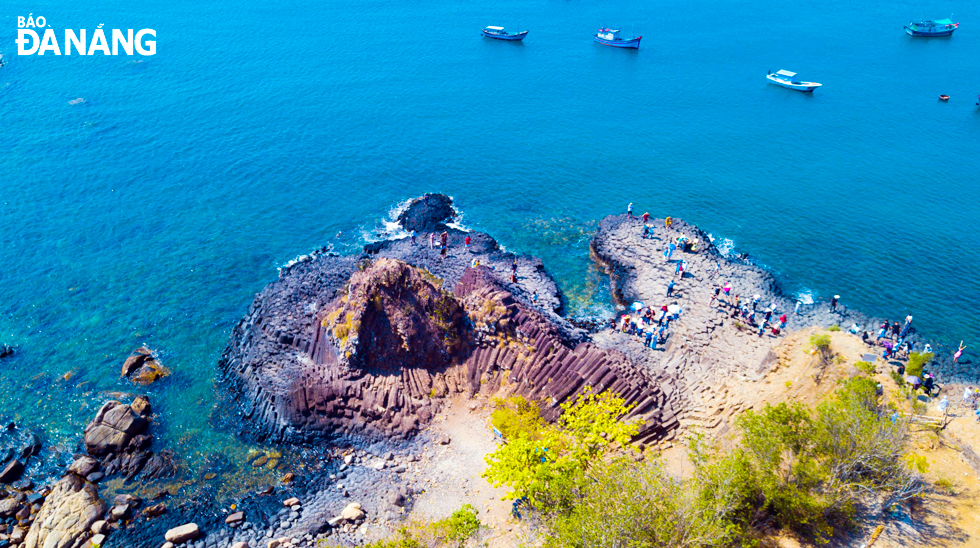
(430, 213)
(119, 437)
(392, 317)
(367, 347)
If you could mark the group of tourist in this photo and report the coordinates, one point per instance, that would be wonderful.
(749, 310)
(653, 328)
(443, 241)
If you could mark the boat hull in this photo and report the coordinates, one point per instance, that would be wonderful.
(912, 32)
(630, 44)
(806, 87)
(508, 37)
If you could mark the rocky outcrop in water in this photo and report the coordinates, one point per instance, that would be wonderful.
(119, 438)
(369, 346)
(17, 446)
(142, 367)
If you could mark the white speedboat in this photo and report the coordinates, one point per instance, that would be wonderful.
(789, 80)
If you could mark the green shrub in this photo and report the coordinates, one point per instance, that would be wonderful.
(897, 378)
(793, 467)
(834, 328)
(866, 367)
(821, 343)
(918, 362)
(633, 504)
(403, 540)
(549, 468)
(515, 415)
(459, 527)
(944, 485)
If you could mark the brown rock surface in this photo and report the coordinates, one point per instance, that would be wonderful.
(66, 517)
(119, 437)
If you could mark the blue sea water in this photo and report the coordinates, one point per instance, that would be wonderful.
(153, 210)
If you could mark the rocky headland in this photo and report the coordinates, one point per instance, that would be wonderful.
(352, 361)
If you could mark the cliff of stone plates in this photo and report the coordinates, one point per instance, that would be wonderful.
(369, 346)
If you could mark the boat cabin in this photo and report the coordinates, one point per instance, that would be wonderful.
(495, 30)
(791, 76)
(608, 34)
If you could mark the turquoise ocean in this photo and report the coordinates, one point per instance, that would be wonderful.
(145, 200)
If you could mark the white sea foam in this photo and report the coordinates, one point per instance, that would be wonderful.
(76, 101)
(805, 296)
(294, 261)
(390, 229)
(725, 247)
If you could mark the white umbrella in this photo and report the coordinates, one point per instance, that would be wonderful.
(913, 380)
(673, 309)
(637, 305)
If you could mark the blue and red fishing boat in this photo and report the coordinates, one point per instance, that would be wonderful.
(498, 33)
(939, 27)
(610, 37)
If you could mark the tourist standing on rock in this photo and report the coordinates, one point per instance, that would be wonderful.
(882, 330)
(444, 239)
(513, 266)
(755, 302)
(782, 322)
(646, 217)
(646, 231)
(796, 311)
(513, 277)
(668, 221)
(663, 314)
(670, 288)
(534, 296)
(727, 289)
(629, 210)
(762, 328)
(768, 315)
(714, 296)
(907, 326)
(956, 357)
(413, 237)
(833, 303)
(467, 242)
(432, 240)
(896, 330)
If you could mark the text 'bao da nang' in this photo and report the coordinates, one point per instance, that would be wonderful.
(44, 40)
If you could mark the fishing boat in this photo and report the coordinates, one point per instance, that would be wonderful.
(498, 33)
(789, 80)
(939, 27)
(610, 37)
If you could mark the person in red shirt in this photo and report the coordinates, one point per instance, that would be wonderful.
(467, 241)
